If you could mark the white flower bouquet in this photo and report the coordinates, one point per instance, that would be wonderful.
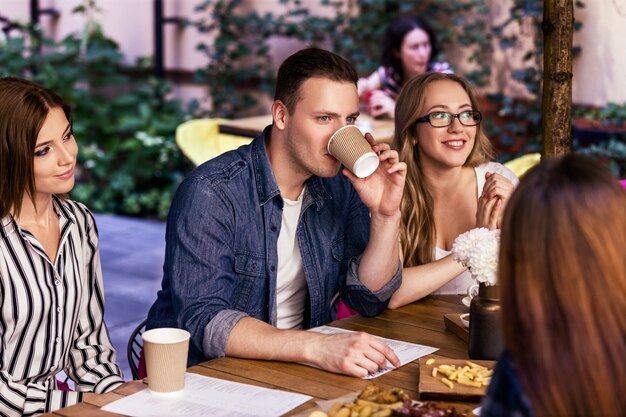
(478, 249)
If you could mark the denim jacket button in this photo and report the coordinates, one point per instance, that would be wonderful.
(272, 268)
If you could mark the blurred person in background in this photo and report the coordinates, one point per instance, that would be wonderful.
(51, 290)
(562, 277)
(409, 48)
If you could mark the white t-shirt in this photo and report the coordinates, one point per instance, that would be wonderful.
(291, 287)
(462, 281)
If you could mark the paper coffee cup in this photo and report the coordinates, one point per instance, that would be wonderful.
(351, 148)
(165, 351)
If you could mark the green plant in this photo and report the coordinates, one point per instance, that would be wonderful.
(128, 159)
(612, 114)
(611, 153)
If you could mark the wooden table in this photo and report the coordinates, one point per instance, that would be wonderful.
(381, 129)
(421, 322)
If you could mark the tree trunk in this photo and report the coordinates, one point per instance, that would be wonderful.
(558, 23)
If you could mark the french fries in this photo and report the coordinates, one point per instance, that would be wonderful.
(472, 374)
(447, 382)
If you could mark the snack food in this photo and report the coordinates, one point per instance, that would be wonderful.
(374, 393)
(411, 409)
(373, 401)
(471, 374)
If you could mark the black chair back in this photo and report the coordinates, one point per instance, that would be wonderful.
(135, 345)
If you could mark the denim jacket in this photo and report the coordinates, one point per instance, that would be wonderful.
(221, 250)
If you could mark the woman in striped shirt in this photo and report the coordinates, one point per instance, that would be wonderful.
(51, 294)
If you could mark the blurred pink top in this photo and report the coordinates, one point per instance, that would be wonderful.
(623, 182)
(344, 311)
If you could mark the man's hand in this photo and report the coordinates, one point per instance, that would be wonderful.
(356, 354)
(381, 192)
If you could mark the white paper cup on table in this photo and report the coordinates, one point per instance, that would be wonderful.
(165, 351)
(351, 148)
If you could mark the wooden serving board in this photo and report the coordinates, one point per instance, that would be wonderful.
(455, 325)
(431, 388)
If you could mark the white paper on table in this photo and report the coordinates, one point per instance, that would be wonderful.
(405, 351)
(205, 396)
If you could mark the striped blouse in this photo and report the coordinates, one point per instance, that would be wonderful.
(51, 316)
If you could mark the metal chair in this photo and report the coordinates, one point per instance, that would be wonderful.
(133, 350)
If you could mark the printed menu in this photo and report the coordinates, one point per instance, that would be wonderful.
(205, 396)
(405, 351)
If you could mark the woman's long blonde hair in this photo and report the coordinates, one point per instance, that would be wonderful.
(418, 232)
(562, 276)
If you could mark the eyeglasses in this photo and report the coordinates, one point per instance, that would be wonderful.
(445, 119)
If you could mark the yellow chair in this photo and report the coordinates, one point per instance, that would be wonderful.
(520, 165)
(200, 140)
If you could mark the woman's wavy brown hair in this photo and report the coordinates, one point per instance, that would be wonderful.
(24, 107)
(418, 232)
(562, 272)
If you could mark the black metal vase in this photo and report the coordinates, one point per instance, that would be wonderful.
(485, 334)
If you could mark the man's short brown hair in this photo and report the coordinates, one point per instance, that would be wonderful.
(310, 63)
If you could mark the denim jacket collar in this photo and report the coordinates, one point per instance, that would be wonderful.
(266, 185)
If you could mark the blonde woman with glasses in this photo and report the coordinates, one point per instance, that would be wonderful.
(452, 184)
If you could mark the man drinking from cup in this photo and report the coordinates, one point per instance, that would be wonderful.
(260, 239)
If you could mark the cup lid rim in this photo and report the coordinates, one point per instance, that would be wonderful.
(366, 164)
(177, 335)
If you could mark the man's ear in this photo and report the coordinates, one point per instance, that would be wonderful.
(280, 114)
